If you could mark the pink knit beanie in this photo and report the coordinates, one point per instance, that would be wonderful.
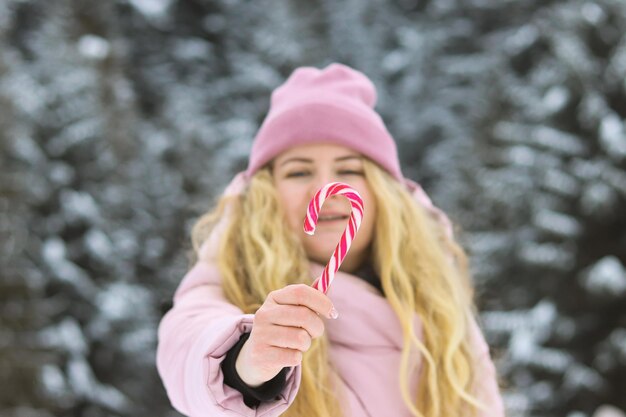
(332, 105)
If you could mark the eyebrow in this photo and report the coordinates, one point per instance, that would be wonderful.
(341, 158)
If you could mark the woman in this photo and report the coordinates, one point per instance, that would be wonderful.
(396, 334)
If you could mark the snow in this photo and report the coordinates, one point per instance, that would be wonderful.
(121, 301)
(556, 98)
(557, 223)
(95, 47)
(547, 255)
(606, 277)
(25, 148)
(83, 382)
(99, 244)
(613, 136)
(79, 205)
(53, 380)
(66, 335)
(593, 13)
(54, 254)
(151, 8)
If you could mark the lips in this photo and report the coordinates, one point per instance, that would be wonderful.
(331, 216)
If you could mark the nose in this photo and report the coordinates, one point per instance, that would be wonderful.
(333, 202)
(321, 179)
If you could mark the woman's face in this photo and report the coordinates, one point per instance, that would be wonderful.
(299, 173)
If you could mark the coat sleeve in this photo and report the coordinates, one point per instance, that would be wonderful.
(487, 389)
(193, 339)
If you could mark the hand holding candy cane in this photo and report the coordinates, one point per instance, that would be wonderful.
(323, 282)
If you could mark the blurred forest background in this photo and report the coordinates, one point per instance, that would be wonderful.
(120, 121)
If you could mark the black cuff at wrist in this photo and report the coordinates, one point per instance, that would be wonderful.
(253, 396)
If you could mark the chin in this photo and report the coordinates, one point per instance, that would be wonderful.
(321, 257)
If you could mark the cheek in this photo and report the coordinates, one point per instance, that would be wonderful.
(292, 209)
(367, 229)
(369, 221)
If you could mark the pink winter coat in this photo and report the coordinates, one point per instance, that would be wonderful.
(365, 347)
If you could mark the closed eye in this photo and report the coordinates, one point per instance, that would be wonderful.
(304, 173)
(297, 174)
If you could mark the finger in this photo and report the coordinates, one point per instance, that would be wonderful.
(305, 295)
(288, 337)
(283, 356)
(295, 316)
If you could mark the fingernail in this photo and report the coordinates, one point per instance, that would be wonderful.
(333, 313)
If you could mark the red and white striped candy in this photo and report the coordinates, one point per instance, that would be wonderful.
(323, 282)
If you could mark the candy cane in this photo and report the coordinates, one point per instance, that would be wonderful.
(323, 282)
